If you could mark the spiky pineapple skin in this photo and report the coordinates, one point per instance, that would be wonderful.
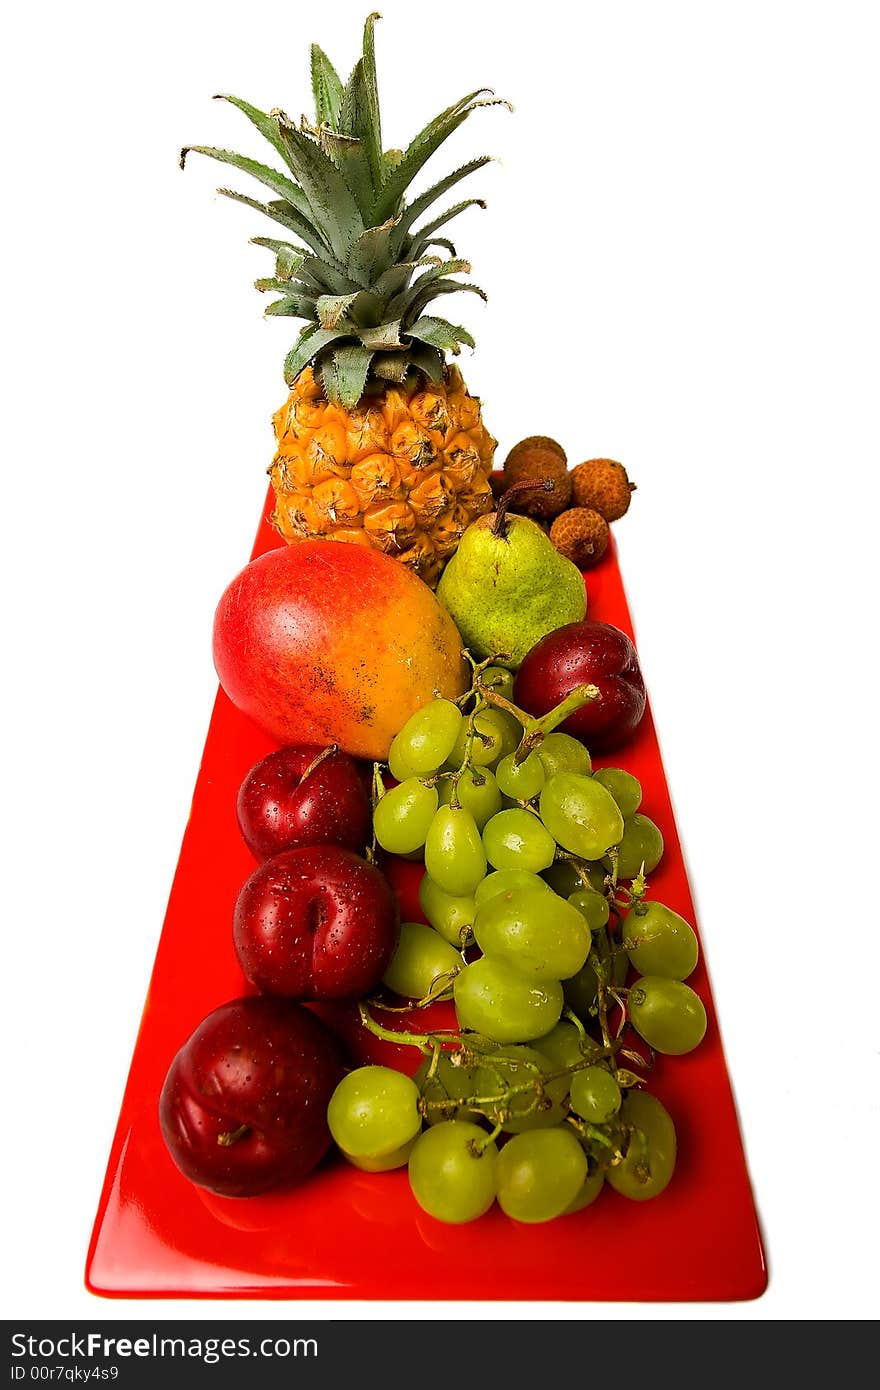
(405, 471)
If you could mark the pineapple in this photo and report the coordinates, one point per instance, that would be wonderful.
(379, 442)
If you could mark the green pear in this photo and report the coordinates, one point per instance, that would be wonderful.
(507, 586)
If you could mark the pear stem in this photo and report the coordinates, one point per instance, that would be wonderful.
(501, 525)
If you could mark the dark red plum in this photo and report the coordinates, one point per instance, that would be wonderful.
(244, 1104)
(581, 653)
(304, 795)
(316, 923)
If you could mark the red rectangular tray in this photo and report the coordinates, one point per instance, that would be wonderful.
(349, 1234)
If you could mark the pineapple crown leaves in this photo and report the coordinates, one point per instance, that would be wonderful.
(363, 265)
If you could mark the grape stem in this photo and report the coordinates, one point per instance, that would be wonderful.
(614, 857)
(601, 974)
(472, 733)
(637, 890)
(637, 1059)
(535, 729)
(441, 988)
(470, 1048)
(377, 791)
(590, 1131)
(478, 667)
(628, 1078)
(474, 1048)
(479, 1147)
(563, 856)
(622, 1006)
(573, 1018)
(425, 1042)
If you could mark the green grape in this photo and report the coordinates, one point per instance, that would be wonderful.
(564, 878)
(454, 854)
(649, 1157)
(641, 844)
(422, 964)
(562, 753)
(508, 728)
(373, 1112)
(516, 1067)
(534, 931)
(403, 816)
(522, 780)
(499, 679)
(540, 1173)
(503, 1004)
(512, 731)
(452, 916)
(626, 789)
(452, 1171)
(660, 942)
(448, 1090)
(507, 881)
(516, 839)
(566, 1046)
(477, 792)
(593, 907)
(581, 814)
(487, 745)
(593, 1184)
(669, 1015)
(595, 1095)
(425, 741)
(383, 1163)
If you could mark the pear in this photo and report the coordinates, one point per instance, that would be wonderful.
(507, 586)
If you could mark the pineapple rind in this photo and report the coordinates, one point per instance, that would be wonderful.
(405, 472)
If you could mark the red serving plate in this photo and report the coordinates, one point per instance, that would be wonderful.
(348, 1234)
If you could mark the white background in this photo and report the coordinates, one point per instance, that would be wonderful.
(681, 256)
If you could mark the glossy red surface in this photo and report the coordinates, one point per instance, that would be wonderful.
(350, 1234)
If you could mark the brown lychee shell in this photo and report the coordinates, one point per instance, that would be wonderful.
(539, 464)
(581, 535)
(536, 441)
(603, 485)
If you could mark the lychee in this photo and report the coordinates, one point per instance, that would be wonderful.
(536, 441)
(581, 535)
(539, 462)
(603, 485)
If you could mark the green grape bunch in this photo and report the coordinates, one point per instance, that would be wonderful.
(565, 977)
